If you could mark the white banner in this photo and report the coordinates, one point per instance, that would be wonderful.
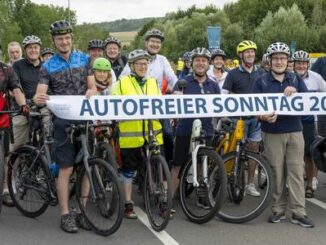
(185, 106)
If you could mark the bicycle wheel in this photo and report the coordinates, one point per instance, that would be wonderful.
(158, 193)
(237, 206)
(2, 161)
(106, 153)
(103, 209)
(27, 179)
(202, 204)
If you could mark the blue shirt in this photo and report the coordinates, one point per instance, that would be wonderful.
(66, 77)
(267, 84)
(184, 126)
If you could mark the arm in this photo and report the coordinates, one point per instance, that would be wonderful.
(19, 96)
(169, 73)
(41, 95)
(91, 85)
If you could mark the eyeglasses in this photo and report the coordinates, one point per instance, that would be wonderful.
(279, 58)
(143, 64)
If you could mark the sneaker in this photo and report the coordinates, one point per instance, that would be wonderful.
(303, 221)
(81, 222)
(276, 218)
(251, 190)
(6, 200)
(202, 203)
(68, 223)
(129, 211)
(314, 184)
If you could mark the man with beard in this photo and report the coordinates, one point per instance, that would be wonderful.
(196, 83)
(68, 72)
(15, 52)
(240, 81)
(283, 139)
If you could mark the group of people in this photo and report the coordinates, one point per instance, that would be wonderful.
(105, 71)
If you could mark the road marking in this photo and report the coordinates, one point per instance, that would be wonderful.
(163, 236)
(317, 202)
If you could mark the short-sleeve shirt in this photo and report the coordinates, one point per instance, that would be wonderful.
(184, 126)
(29, 76)
(240, 81)
(268, 84)
(66, 77)
(8, 78)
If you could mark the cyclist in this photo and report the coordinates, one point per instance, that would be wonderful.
(46, 54)
(283, 139)
(240, 81)
(131, 137)
(187, 65)
(265, 65)
(180, 66)
(314, 83)
(218, 72)
(95, 50)
(290, 65)
(103, 76)
(15, 52)
(197, 83)
(159, 68)
(56, 75)
(9, 81)
(112, 48)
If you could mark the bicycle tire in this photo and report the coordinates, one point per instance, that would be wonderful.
(213, 192)
(237, 212)
(106, 153)
(20, 175)
(158, 202)
(2, 165)
(105, 213)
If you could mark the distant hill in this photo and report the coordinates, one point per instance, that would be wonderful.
(125, 25)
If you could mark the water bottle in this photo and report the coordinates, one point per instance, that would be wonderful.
(54, 169)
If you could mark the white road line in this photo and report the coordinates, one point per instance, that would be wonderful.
(317, 202)
(163, 236)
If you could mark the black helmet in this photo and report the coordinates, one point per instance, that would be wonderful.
(60, 27)
(186, 56)
(95, 43)
(318, 152)
(217, 52)
(111, 39)
(154, 33)
(47, 51)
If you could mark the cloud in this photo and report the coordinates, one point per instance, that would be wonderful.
(108, 10)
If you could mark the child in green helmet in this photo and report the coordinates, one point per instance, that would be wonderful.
(103, 77)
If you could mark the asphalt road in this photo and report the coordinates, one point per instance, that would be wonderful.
(17, 229)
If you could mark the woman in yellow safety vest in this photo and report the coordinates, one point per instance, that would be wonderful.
(132, 133)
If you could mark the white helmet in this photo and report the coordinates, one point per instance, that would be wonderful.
(137, 55)
(200, 52)
(301, 56)
(265, 58)
(278, 47)
(31, 40)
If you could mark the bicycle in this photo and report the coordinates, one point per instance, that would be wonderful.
(202, 180)
(155, 180)
(231, 143)
(98, 190)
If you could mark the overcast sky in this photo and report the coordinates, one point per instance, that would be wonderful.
(108, 10)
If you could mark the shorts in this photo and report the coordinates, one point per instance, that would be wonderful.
(309, 135)
(63, 152)
(181, 149)
(131, 159)
(253, 131)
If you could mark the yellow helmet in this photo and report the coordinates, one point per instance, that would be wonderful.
(244, 45)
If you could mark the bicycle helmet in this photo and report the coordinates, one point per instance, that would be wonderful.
(218, 52)
(301, 56)
(101, 64)
(278, 47)
(318, 152)
(200, 52)
(95, 43)
(154, 33)
(60, 27)
(47, 51)
(186, 56)
(111, 39)
(138, 54)
(245, 45)
(31, 40)
(265, 58)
